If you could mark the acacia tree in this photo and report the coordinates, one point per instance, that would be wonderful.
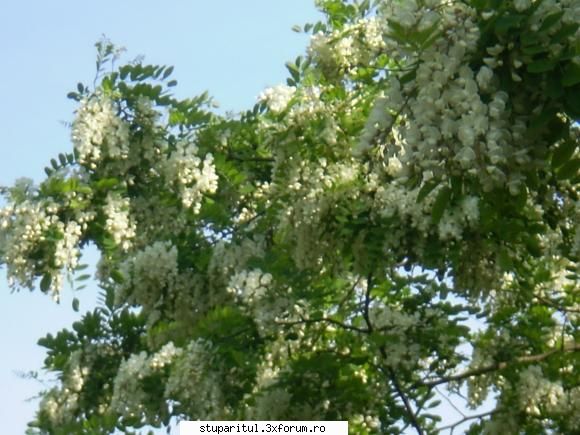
(401, 216)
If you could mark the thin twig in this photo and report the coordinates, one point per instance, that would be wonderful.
(448, 400)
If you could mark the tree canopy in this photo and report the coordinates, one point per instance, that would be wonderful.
(397, 222)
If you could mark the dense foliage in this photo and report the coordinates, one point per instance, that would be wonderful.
(399, 221)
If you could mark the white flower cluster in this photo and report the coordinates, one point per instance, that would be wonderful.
(195, 383)
(118, 220)
(392, 320)
(396, 324)
(450, 118)
(60, 404)
(394, 199)
(193, 177)
(315, 188)
(25, 226)
(145, 113)
(67, 250)
(478, 386)
(128, 394)
(230, 258)
(149, 274)
(269, 402)
(250, 286)
(454, 220)
(277, 97)
(29, 224)
(538, 395)
(307, 105)
(98, 132)
(354, 44)
(254, 289)
(368, 423)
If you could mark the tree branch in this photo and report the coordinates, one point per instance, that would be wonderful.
(467, 418)
(526, 359)
(449, 401)
(390, 372)
(327, 320)
(249, 159)
(367, 303)
(555, 305)
(412, 417)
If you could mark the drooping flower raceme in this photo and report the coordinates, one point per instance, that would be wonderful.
(277, 97)
(193, 176)
(98, 132)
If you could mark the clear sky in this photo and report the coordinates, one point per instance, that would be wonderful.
(232, 48)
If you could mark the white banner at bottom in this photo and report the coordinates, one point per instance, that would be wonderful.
(263, 427)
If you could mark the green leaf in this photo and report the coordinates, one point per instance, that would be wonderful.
(117, 276)
(427, 189)
(294, 71)
(565, 31)
(106, 183)
(541, 66)
(563, 153)
(507, 22)
(571, 75)
(572, 102)
(434, 404)
(124, 71)
(45, 282)
(440, 204)
(75, 304)
(167, 72)
(533, 245)
(407, 77)
(504, 260)
(535, 49)
(550, 20)
(456, 185)
(171, 83)
(569, 169)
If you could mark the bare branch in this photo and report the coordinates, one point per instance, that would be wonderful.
(367, 303)
(450, 402)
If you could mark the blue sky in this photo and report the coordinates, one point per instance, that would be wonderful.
(231, 48)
